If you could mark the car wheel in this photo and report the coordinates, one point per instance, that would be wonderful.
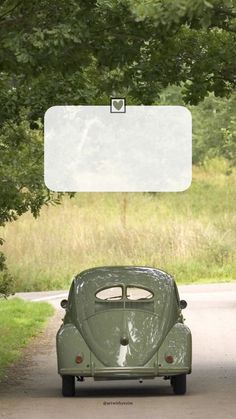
(68, 385)
(178, 383)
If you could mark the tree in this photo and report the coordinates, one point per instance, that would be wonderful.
(82, 52)
(62, 51)
(214, 125)
(21, 180)
(22, 187)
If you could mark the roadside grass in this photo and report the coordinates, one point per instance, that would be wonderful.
(190, 234)
(20, 321)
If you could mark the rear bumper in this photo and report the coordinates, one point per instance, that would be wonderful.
(125, 373)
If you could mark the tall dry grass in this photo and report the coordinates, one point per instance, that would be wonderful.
(190, 234)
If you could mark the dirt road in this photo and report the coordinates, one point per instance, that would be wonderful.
(31, 389)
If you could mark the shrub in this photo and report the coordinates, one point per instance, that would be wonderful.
(6, 280)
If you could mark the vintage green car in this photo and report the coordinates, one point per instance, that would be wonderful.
(123, 322)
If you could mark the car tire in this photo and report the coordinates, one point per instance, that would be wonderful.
(179, 384)
(68, 385)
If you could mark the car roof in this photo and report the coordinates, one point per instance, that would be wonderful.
(151, 272)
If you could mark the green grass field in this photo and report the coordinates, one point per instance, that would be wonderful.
(20, 321)
(190, 234)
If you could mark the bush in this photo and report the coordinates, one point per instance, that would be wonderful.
(6, 280)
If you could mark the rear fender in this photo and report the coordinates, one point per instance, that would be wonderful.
(177, 343)
(69, 344)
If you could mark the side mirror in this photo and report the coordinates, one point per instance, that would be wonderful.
(183, 304)
(64, 303)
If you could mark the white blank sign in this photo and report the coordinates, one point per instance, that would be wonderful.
(90, 149)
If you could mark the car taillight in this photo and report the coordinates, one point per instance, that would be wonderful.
(169, 359)
(79, 358)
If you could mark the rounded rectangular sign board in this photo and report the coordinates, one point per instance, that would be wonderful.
(117, 148)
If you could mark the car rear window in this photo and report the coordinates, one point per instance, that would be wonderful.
(110, 293)
(136, 293)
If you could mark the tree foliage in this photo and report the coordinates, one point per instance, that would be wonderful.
(214, 132)
(75, 52)
(21, 169)
(214, 125)
(61, 52)
(72, 51)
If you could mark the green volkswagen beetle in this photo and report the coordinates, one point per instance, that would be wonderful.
(123, 322)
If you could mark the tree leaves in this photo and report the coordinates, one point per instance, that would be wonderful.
(75, 52)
